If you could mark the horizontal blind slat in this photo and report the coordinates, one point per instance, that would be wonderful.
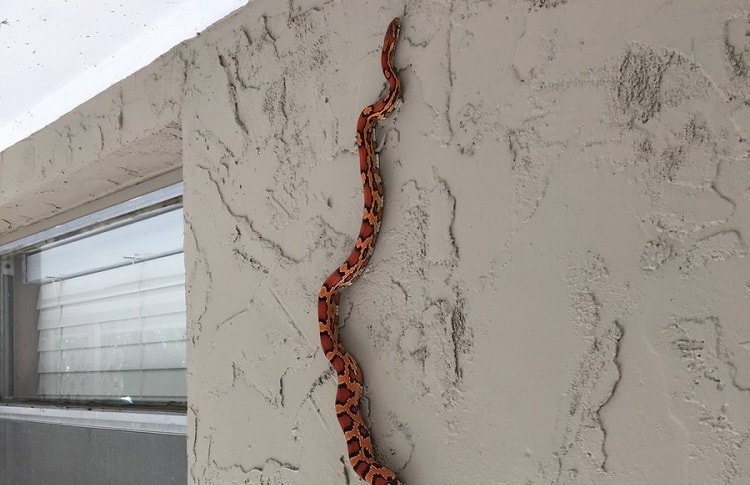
(124, 307)
(144, 239)
(166, 271)
(162, 355)
(118, 332)
(158, 328)
(158, 384)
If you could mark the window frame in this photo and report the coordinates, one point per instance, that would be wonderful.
(60, 410)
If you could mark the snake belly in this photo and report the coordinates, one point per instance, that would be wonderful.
(350, 379)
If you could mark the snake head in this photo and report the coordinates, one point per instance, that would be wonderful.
(394, 28)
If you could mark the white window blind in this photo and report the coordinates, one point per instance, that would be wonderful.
(117, 331)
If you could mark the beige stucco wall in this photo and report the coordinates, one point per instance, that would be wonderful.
(561, 291)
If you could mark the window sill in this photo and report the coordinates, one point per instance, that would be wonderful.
(138, 422)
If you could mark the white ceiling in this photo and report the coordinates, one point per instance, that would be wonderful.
(56, 54)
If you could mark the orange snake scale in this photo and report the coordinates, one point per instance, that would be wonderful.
(350, 378)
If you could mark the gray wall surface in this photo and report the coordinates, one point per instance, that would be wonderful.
(44, 454)
(560, 294)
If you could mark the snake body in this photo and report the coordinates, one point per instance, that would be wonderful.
(350, 378)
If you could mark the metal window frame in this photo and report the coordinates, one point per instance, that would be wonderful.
(118, 214)
(158, 417)
(137, 422)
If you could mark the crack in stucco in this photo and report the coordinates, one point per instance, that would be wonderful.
(617, 336)
(201, 257)
(252, 262)
(290, 318)
(345, 466)
(195, 462)
(232, 89)
(583, 437)
(273, 463)
(326, 376)
(228, 320)
(265, 241)
(451, 74)
(270, 35)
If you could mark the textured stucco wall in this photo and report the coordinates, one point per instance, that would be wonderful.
(560, 294)
(125, 135)
(561, 291)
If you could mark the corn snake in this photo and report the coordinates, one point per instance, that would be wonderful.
(350, 378)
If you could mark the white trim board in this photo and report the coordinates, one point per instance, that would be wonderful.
(138, 422)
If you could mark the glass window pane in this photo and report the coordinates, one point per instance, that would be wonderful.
(100, 316)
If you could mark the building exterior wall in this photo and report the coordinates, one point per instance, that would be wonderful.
(125, 135)
(561, 289)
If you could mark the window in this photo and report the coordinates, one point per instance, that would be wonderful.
(93, 311)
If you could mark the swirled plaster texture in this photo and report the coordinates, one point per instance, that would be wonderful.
(561, 292)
